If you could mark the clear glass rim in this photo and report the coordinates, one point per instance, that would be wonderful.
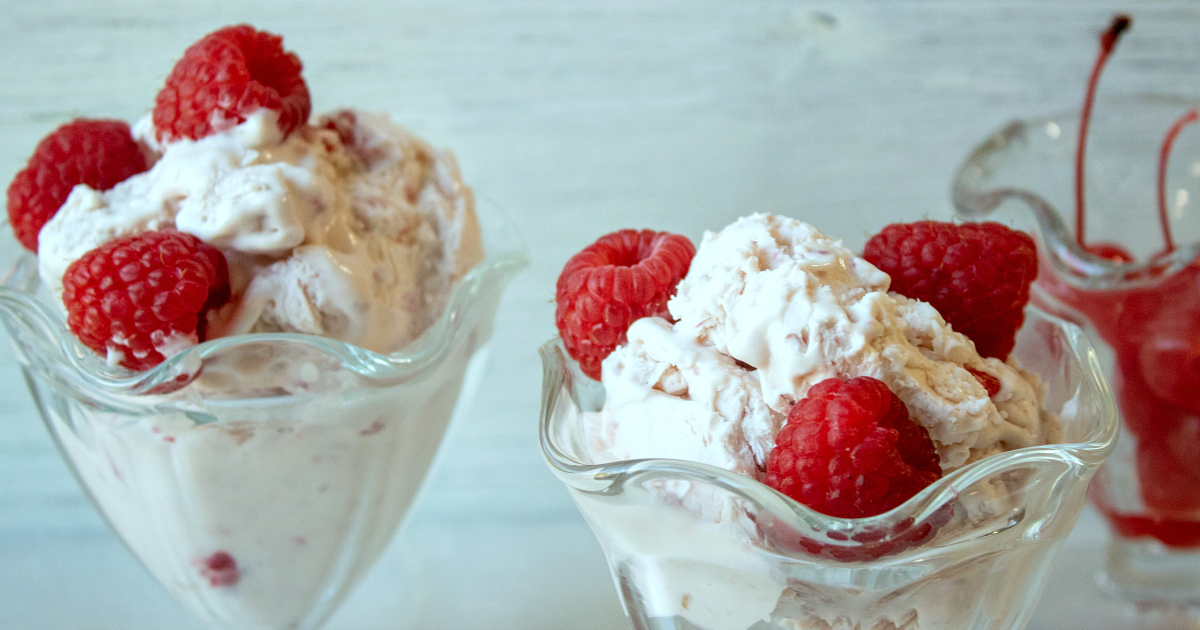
(506, 255)
(973, 200)
(608, 478)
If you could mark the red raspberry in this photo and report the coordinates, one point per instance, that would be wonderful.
(849, 450)
(977, 275)
(227, 75)
(134, 292)
(99, 153)
(622, 277)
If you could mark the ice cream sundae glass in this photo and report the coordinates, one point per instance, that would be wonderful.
(247, 327)
(770, 431)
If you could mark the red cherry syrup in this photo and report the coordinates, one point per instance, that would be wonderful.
(1154, 331)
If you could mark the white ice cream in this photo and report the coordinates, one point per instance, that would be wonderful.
(302, 493)
(769, 308)
(796, 307)
(669, 396)
(359, 241)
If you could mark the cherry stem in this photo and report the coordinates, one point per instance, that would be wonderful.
(1164, 155)
(1108, 40)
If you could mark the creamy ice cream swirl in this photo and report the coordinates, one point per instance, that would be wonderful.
(351, 228)
(774, 307)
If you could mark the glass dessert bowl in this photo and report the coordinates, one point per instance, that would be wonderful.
(1142, 309)
(334, 268)
(259, 476)
(696, 546)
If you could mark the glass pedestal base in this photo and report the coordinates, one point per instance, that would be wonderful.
(1145, 570)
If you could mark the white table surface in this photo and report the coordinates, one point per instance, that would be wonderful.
(577, 118)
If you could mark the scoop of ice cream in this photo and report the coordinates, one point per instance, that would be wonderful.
(669, 396)
(785, 307)
(779, 295)
(350, 228)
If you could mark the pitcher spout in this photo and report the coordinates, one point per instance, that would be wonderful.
(1014, 174)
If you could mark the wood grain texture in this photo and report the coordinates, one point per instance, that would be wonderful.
(577, 118)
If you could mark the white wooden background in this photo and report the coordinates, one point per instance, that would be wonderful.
(577, 118)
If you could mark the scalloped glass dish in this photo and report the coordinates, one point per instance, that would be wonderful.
(1142, 314)
(692, 546)
(259, 476)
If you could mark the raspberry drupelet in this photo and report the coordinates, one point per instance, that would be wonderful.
(622, 277)
(977, 275)
(849, 449)
(220, 569)
(989, 382)
(97, 153)
(136, 297)
(226, 76)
